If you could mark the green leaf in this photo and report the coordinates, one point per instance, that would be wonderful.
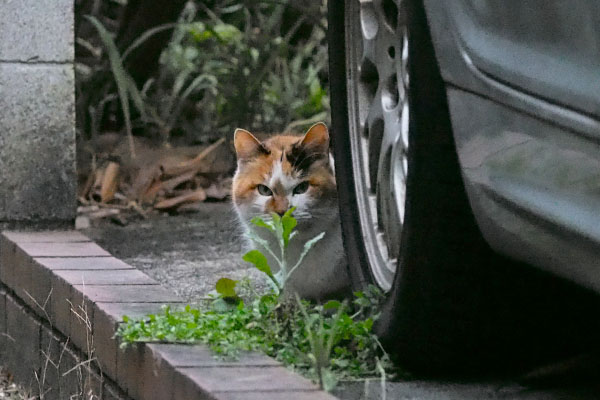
(288, 223)
(342, 363)
(226, 32)
(145, 36)
(258, 221)
(264, 244)
(259, 260)
(332, 304)
(258, 240)
(289, 212)
(226, 287)
(276, 220)
(329, 379)
(278, 229)
(307, 246)
(122, 78)
(222, 306)
(136, 96)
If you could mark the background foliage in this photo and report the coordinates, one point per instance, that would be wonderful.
(202, 68)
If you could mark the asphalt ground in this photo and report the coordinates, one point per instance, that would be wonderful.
(189, 253)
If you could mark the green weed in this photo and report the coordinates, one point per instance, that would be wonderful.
(227, 64)
(326, 342)
(283, 230)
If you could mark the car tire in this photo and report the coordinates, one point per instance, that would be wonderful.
(434, 316)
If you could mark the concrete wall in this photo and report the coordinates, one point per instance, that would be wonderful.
(37, 111)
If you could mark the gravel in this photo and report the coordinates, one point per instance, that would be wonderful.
(10, 390)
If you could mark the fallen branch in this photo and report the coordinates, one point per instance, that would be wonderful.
(197, 195)
(167, 186)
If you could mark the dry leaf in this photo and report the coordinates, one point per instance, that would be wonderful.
(166, 177)
(110, 181)
(98, 177)
(87, 209)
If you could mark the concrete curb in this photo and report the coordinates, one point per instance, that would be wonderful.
(61, 299)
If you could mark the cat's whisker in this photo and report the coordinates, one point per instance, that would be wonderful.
(303, 216)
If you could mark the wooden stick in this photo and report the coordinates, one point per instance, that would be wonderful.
(109, 182)
(192, 197)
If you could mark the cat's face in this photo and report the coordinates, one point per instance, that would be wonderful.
(283, 172)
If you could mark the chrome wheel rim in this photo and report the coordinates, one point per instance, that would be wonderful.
(378, 79)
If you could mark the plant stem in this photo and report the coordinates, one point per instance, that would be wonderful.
(273, 255)
(283, 266)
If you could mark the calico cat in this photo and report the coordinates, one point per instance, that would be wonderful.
(294, 171)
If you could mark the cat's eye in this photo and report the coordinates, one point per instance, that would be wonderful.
(301, 188)
(264, 190)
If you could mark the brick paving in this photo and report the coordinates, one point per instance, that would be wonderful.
(48, 277)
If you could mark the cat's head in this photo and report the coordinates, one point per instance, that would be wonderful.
(284, 171)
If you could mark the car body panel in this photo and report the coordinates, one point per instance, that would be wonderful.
(534, 188)
(549, 48)
(524, 111)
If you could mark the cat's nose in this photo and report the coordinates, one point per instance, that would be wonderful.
(279, 204)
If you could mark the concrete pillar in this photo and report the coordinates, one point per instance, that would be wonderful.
(37, 112)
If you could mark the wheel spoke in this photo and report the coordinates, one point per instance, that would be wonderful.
(389, 213)
(404, 127)
(404, 61)
(369, 22)
(375, 111)
(374, 133)
(399, 166)
(369, 51)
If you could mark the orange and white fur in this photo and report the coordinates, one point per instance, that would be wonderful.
(294, 171)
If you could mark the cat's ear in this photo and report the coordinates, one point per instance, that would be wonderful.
(317, 138)
(246, 145)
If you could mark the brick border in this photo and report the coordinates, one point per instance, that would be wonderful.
(62, 298)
